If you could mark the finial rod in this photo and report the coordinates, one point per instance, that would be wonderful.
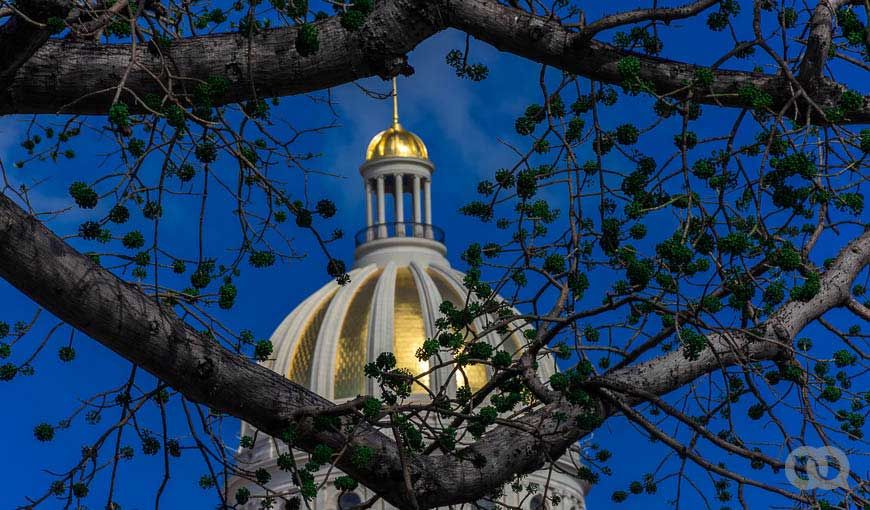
(395, 103)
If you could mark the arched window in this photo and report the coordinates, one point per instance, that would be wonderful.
(485, 504)
(349, 500)
(537, 503)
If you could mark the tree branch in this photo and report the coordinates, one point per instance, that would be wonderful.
(666, 14)
(514, 450)
(858, 309)
(150, 335)
(663, 374)
(137, 327)
(819, 41)
(546, 41)
(20, 38)
(79, 77)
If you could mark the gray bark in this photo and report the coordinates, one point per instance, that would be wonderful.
(118, 315)
(20, 39)
(819, 41)
(81, 77)
(49, 76)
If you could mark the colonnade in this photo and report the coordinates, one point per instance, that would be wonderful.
(421, 200)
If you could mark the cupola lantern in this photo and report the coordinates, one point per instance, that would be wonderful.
(397, 166)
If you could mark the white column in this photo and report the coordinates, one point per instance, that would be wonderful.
(382, 209)
(369, 218)
(427, 198)
(418, 231)
(400, 205)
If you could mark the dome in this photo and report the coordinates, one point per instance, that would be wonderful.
(399, 280)
(396, 142)
(326, 341)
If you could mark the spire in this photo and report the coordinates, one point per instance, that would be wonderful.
(395, 104)
(396, 141)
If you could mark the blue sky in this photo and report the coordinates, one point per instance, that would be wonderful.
(445, 111)
(460, 121)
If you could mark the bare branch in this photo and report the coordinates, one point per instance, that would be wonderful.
(147, 333)
(666, 373)
(858, 309)
(654, 14)
(80, 78)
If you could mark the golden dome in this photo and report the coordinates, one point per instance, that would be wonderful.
(396, 142)
(325, 343)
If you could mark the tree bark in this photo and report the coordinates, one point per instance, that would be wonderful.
(150, 335)
(81, 78)
(821, 28)
(20, 38)
(121, 317)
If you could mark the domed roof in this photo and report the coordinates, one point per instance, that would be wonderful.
(396, 142)
(326, 341)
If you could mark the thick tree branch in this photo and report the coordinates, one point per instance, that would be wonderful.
(547, 42)
(819, 41)
(135, 326)
(664, 374)
(76, 77)
(20, 38)
(510, 451)
(119, 316)
(81, 76)
(858, 309)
